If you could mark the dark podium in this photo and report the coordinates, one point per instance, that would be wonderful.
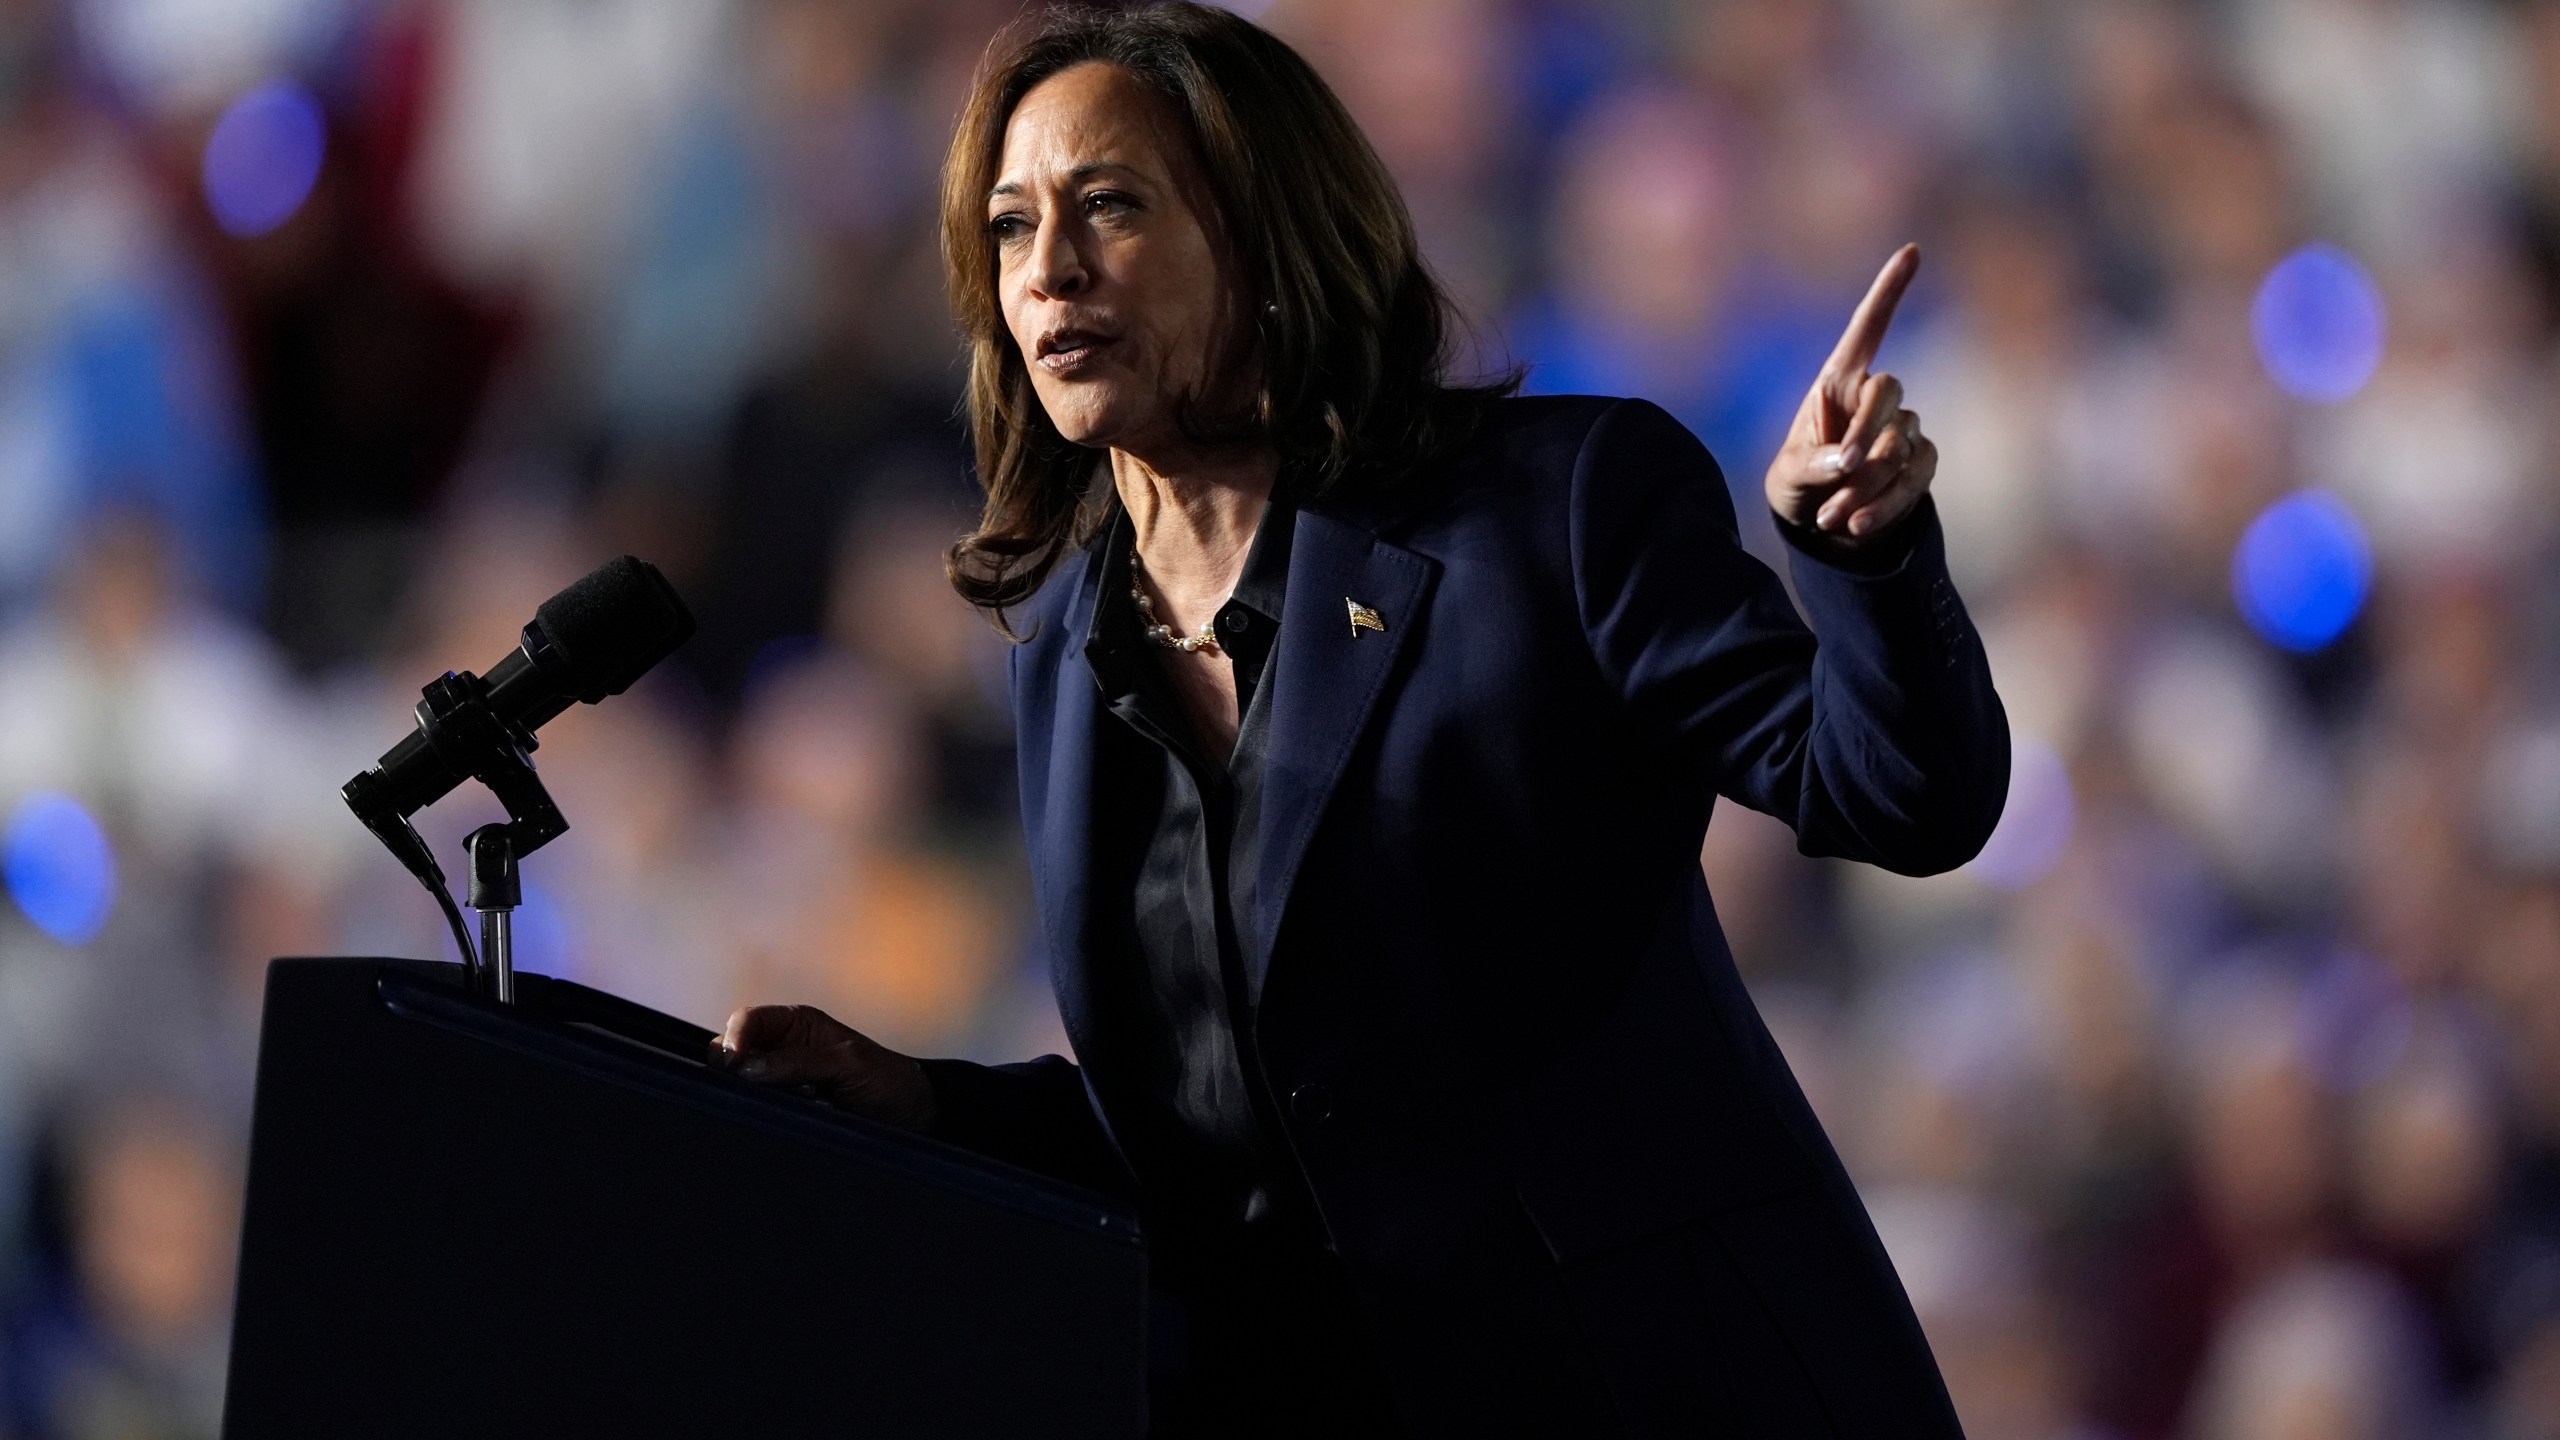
(548, 1218)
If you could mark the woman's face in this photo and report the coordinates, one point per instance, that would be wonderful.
(1105, 269)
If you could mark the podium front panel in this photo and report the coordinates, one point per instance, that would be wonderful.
(548, 1219)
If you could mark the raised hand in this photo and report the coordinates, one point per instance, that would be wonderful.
(1855, 461)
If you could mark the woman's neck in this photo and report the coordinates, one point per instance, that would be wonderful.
(1194, 525)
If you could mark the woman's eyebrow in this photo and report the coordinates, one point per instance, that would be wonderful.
(1008, 189)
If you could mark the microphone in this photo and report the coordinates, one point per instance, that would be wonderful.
(587, 642)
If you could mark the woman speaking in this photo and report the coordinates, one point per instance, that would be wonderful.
(1369, 724)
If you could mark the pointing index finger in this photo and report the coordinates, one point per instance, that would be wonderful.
(1858, 344)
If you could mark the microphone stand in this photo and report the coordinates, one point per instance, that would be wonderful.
(495, 893)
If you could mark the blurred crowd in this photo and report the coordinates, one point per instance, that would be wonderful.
(2219, 1099)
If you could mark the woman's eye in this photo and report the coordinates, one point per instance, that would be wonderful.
(1109, 202)
(1007, 227)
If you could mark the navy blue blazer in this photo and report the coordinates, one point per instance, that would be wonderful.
(1575, 1185)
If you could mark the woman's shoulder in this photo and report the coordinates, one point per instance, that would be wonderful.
(1550, 433)
(1535, 445)
(1521, 463)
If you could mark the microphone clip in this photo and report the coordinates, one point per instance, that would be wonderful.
(464, 731)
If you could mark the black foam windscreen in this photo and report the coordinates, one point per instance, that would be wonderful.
(606, 630)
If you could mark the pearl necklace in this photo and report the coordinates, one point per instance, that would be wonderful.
(1157, 630)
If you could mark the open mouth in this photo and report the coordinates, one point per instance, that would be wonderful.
(1063, 352)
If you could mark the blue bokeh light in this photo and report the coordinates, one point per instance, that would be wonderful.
(2302, 570)
(2319, 324)
(547, 939)
(2035, 826)
(59, 867)
(263, 158)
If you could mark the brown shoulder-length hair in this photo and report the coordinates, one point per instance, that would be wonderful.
(1352, 338)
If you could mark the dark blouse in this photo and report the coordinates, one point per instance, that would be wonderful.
(1176, 831)
(1255, 1325)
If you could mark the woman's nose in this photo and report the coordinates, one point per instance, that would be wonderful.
(1057, 267)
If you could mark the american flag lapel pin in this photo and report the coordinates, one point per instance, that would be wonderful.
(1363, 618)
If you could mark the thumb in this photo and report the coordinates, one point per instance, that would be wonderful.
(1835, 407)
(1820, 423)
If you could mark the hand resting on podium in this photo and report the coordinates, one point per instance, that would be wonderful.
(801, 1046)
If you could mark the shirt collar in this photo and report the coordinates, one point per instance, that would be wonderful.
(1113, 639)
(1266, 566)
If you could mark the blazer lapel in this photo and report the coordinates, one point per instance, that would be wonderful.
(1066, 829)
(1328, 679)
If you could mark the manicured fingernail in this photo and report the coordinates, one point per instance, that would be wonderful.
(1858, 524)
(1837, 461)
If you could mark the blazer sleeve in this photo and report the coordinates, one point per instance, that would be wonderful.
(1037, 1114)
(1034, 1114)
(1876, 734)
